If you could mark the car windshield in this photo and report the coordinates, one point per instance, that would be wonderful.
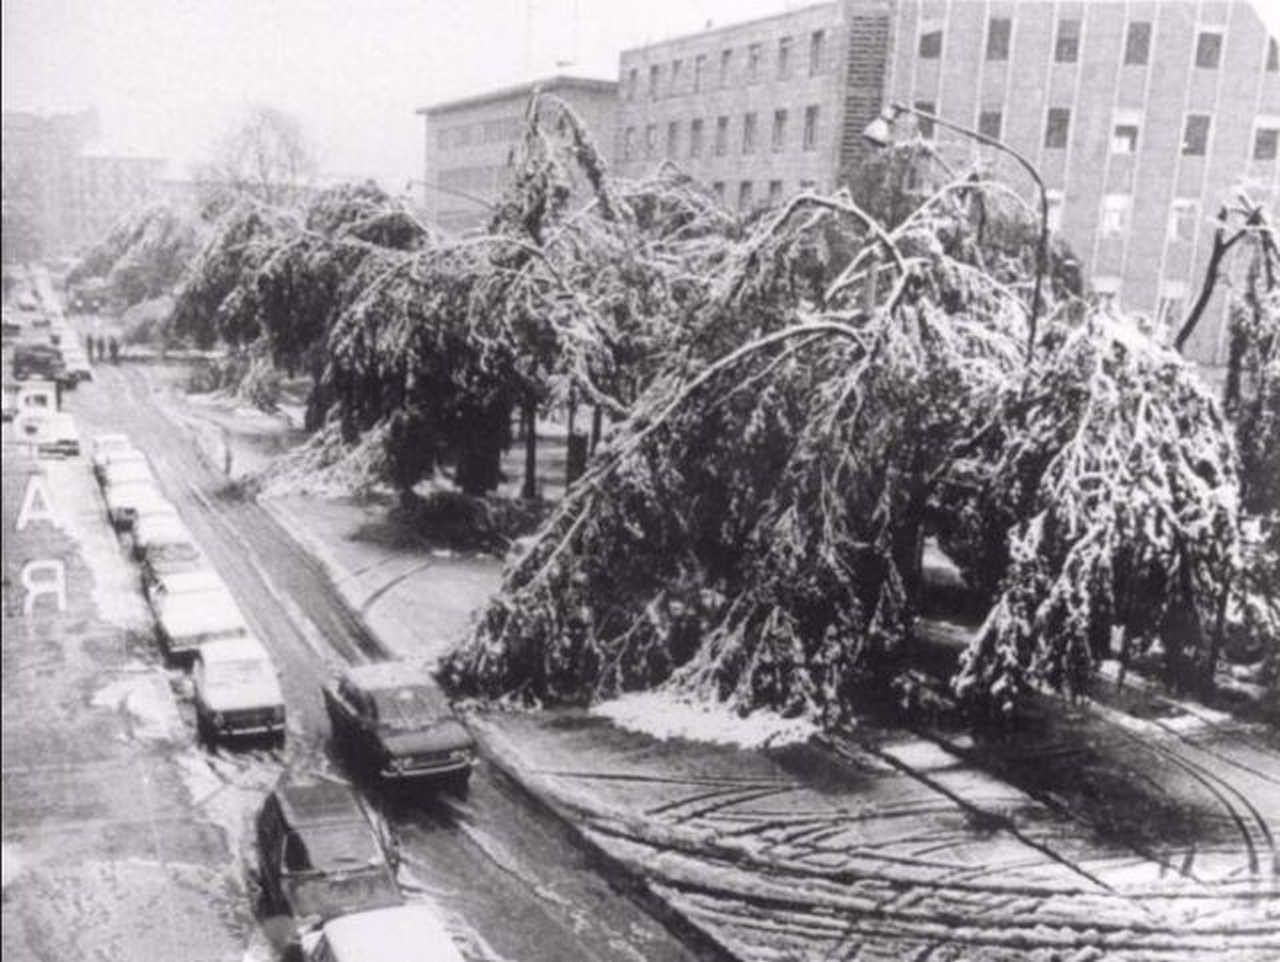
(336, 848)
(405, 707)
(235, 673)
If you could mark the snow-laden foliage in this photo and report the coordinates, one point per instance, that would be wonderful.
(145, 255)
(753, 532)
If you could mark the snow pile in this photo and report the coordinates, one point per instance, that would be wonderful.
(665, 715)
(327, 466)
(148, 702)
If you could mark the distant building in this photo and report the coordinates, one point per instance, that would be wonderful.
(469, 141)
(1142, 117)
(57, 196)
(757, 110)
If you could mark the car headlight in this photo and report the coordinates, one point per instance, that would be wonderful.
(216, 718)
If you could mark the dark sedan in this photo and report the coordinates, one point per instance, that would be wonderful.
(391, 717)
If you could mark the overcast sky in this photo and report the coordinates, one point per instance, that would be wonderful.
(168, 75)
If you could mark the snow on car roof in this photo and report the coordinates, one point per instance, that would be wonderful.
(233, 649)
(411, 933)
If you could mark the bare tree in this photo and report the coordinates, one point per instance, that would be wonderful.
(265, 155)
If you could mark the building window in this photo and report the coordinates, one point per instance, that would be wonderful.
(699, 71)
(779, 129)
(753, 63)
(673, 138)
(1115, 213)
(1137, 43)
(744, 195)
(749, 133)
(989, 123)
(1208, 49)
(629, 143)
(931, 44)
(1264, 143)
(633, 80)
(1169, 307)
(998, 29)
(775, 193)
(722, 136)
(784, 58)
(818, 38)
(695, 138)
(810, 127)
(1183, 215)
(1055, 130)
(726, 60)
(1056, 200)
(718, 189)
(675, 75)
(1067, 47)
(1195, 138)
(650, 139)
(655, 72)
(1273, 56)
(923, 124)
(1124, 132)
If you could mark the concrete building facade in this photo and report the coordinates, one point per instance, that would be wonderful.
(58, 197)
(1143, 118)
(758, 110)
(468, 144)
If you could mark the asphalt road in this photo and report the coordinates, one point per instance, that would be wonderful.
(515, 884)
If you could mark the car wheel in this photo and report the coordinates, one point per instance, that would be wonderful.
(460, 782)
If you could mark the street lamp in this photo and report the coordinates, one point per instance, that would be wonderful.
(880, 132)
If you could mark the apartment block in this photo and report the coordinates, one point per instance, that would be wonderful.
(1143, 118)
(757, 110)
(468, 143)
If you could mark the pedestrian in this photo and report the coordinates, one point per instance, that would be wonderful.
(94, 347)
(115, 350)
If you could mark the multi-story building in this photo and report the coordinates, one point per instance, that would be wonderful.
(469, 142)
(1142, 117)
(757, 110)
(109, 188)
(59, 198)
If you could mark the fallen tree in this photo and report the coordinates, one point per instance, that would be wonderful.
(753, 532)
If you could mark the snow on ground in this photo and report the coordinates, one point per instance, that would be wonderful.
(80, 511)
(666, 715)
(148, 701)
(11, 864)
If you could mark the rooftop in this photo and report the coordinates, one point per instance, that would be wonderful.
(554, 82)
(319, 802)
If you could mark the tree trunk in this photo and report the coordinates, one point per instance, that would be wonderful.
(530, 489)
(597, 427)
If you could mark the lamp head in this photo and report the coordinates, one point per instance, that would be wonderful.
(880, 131)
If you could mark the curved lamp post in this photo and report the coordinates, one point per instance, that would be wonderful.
(880, 132)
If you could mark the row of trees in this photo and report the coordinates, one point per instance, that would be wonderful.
(800, 400)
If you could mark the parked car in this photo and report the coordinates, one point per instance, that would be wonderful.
(126, 501)
(165, 562)
(122, 471)
(155, 532)
(58, 436)
(399, 933)
(186, 581)
(107, 447)
(10, 401)
(321, 855)
(391, 716)
(186, 620)
(38, 360)
(237, 691)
